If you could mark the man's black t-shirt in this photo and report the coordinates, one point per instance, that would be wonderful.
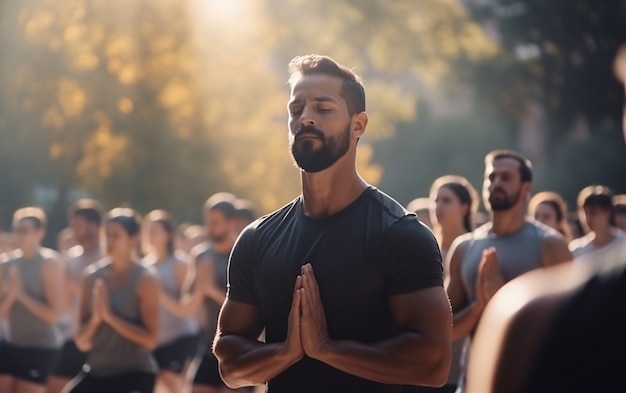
(371, 250)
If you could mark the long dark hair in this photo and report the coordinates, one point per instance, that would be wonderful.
(466, 193)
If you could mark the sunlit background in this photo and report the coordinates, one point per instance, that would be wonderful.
(160, 103)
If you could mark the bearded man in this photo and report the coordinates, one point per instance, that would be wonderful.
(507, 246)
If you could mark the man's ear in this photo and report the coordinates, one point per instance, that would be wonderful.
(359, 124)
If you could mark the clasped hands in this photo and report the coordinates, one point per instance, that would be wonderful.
(490, 278)
(307, 332)
(101, 304)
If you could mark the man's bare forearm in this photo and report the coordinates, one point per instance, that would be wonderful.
(466, 320)
(406, 359)
(246, 362)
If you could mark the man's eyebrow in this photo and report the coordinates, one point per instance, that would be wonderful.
(297, 100)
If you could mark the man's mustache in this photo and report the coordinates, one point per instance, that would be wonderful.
(309, 131)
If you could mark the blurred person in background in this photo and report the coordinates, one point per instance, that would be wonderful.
(244, 214)
(211, 258)
(7, 242)
(65, 241)
(85, 219)
(188, 236)
(119, 314)
(423, 208)
(550, 209)
(504, 248)
(32, 281)
(595, 209)
(559, 329)
(177, 338)
(619, 207)
(456, 201)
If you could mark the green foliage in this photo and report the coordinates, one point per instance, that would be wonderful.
(433, 147)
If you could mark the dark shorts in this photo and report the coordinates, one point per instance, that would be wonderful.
(70, 362)
(175, 355)
(29, 364)
(4, 359)
(208, 371)
(136, 382)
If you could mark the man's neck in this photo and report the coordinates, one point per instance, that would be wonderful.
(330, 191)
(507, 222)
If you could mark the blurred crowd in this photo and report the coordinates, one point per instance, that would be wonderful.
(188, 261)
(194, 286)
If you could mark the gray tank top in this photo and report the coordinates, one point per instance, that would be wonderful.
(517, 253)
(171, 326)
(25, 328)
(211, 308)
(111, 353)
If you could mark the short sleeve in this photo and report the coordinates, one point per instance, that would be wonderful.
(240, 269)
(411, 257)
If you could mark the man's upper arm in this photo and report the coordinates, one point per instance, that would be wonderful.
(240, 269)
(411, 258)
(555, 250)
(239, 318)
(426, 311)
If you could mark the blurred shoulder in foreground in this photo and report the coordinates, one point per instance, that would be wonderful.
(561, 329)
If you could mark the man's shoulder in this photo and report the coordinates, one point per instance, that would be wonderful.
(386, 204)
(276, 217)
(545, 232)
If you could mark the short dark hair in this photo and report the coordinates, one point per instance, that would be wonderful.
(89, 209)
(33, 213)
(217, 199)
(352, 89)
(127, 218)
(597, 196)
(525, 166)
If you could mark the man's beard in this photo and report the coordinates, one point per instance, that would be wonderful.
(311, 159)
(503, 204)
(218, 238)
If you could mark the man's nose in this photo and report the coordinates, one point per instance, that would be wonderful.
(306, 117)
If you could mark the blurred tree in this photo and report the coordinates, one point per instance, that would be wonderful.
(432, 146)
(558, 54)
(161, 103)
(88, 88)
